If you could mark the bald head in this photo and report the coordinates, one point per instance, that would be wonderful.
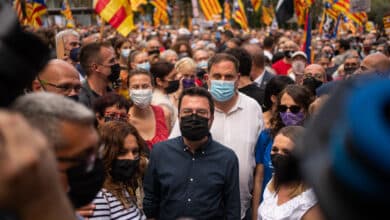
(376, 62)
(258, 59)
(316, 71)
(59, 77)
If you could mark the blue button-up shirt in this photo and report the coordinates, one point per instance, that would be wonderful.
(204, 185)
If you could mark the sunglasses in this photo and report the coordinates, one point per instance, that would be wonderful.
(294, 108)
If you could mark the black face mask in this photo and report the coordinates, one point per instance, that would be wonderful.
(115, 70)
(194, 127)
(288, 53)
(123, 170)
(74, 54)
(74, 97)
(349, 70)
(152, 52)
(312, 84)
(286, 168)
(173, 86)
(84, 185)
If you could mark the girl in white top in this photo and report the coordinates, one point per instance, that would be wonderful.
(286, 196)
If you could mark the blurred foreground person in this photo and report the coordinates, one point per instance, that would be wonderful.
(29, 183)
(69, 127)
(349, 167)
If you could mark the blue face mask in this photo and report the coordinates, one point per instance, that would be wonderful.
(222, 90)
(202, 64)
(145, 66)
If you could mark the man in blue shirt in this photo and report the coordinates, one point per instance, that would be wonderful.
(192, 175)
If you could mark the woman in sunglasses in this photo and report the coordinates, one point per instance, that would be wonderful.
(287, 196)
(290, 108)
(125, 159)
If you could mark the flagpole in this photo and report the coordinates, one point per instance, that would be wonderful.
(322, 21)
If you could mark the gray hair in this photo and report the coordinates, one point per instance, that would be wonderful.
(168, 53)
(67, 32)
(46, 111)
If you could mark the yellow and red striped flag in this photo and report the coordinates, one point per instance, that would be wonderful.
(135, 4)
(117, 13)
(20, 10)
(227, 11)
(66, 11)
(268, 14)
(210, 8)
(301, 6)
(256, 4)
(34, 10)
(344, 6)
(160, 13)
(239, 14)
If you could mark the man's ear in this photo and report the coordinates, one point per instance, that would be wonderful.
(159, 82)
(36, 86)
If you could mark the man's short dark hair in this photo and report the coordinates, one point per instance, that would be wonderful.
(220, 57)
(268, 42)
(90, 53)
(244, 58)
(229, 34)
(344, 44)
(197, 91)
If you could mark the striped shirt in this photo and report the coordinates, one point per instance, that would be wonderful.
(109, 207)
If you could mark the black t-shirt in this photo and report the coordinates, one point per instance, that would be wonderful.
(253, 91)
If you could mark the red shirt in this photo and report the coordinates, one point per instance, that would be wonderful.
(280, 67)
(161, 127)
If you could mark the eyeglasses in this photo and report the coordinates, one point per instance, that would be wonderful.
(87, 159)
(113, 116)
(64, 88)
(294, 108)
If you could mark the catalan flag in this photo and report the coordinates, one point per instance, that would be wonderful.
(20, 8)
(239, 14)
(344, 6)
(34, 10)
(301, 6)
(227, 11)
(210, 8)
(160, 12)
(117, 13)
(256, 4)
(66, 11)
(135, 4)
(268, 14)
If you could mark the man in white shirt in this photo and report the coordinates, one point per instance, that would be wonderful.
(238, 120)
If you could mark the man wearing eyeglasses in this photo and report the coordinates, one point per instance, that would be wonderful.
(192, 176)
(58, 77)
(69, 127)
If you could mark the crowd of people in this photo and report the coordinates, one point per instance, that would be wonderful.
(176, 124)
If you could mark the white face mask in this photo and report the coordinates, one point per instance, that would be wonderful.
(141, 97)
(125, 53)
(298, 67)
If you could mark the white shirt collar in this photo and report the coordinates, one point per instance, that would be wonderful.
(259, 79)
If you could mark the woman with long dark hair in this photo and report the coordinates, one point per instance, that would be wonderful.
(125, 158)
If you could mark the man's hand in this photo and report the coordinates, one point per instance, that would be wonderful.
(86, 211)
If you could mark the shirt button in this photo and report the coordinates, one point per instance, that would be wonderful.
(193, 158)
(191, 179)
(189, 199)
